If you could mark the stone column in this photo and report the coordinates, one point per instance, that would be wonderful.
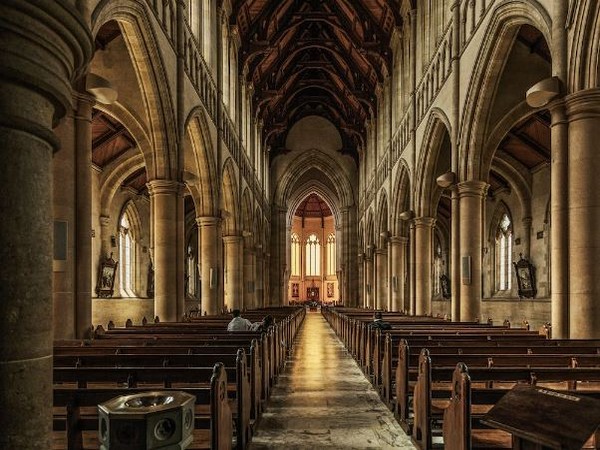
(423, 263)
(43, 46)
(259, 273)
(559, 219)
(208, 229)
(381, 273)
(233, 271)
(472, 196)
(83, 226)
(455, 257)
(369, 303)
(583, 110)
(248, 288)
(398, 246)
(363, 283)
(165, 196)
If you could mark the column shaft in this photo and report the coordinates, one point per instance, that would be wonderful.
(248, 288)
(398, 257)
(43, 46)
(423, 263)
(455, 257)
(583, 109)
(559, 219)
(233, 272)
(83, 227)
(369, 281)
(165, 196)
(472, 194)
(208, 228)
(381, 271)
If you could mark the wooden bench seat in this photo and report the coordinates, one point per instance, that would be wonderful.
(76, 427)
(433, 390)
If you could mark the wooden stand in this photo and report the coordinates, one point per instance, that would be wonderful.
(540, 418)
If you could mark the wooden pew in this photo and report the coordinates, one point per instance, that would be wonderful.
(462, 428)
(434, 384)
(238, 382)
(76, 418)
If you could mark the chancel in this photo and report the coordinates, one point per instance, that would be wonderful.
(167, 162)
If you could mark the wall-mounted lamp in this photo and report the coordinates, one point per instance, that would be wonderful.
(101, 89)
(246, 233)
(542, 93)
(384, 235)
(407, 215)
(446, 180)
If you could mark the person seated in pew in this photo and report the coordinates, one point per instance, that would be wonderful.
(238, 323)
(378, 322)
(263, 325)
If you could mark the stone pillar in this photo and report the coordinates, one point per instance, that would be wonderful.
(423, 264)
(369, 303)
(381, 273)
(411, 271)
(43, 46)
(233, 271)
(83, 226)
(208, 228)
(455, 257)
(472, 196)
(583, 110)
(165, 196)
(397, 247)
(363, 283)
(559, 219)
(259, 274)
(248, 288)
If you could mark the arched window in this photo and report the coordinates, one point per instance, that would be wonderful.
(503, 253)
(331, 254)
(295, 255)
(126, 256)
(313, 256)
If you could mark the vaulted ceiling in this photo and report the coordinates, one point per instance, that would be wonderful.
(315, 57)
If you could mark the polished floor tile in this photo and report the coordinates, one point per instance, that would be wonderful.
(323, 401)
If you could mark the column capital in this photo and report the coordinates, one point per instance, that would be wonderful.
(398, 240)
(381, 251)
(232, 239)
(208, 221)
(583, 104)
(424, 222)
(471, 188)
(164, 187)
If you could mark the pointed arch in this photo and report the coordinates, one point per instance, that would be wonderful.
(427, 191)
(230, 204)
(506, 20)
(401, 196)
(201, 180)
(142, 44)
(382, 219)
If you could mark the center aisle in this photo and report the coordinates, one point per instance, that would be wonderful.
(323, 400)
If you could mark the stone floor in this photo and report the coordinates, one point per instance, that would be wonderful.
(323, 401)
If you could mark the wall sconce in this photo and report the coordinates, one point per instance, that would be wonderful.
(407, 215)
(542, 93)
(246, 233)
(446, 180)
